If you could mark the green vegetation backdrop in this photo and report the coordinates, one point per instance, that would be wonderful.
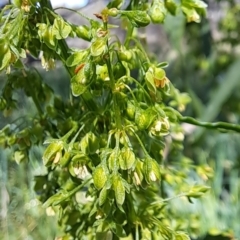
(132, 141)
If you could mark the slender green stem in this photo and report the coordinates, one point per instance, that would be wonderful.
(138, 83)
(117, 136)
(37, 104)
(68, 134)
(139, 45)
(140, 142)
(112, 84)
(184, 194)
(76, 135)
(129, 35)
(115, 103)
(136, 232)
(75, 190)
(109, 138)
(215, 125)
(129, 89)
(33, 95)
(75, 11)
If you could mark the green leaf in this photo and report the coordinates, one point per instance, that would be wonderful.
(61, 29)
(104, 235)
(77, 58)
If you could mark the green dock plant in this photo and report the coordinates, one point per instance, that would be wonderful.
(110, 168)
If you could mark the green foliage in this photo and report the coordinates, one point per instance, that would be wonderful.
(107, 173)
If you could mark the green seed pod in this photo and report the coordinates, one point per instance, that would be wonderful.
(89, 71)
(119, 70)
(198, 191)
(98, 47)
(113, 12)
(77, 58)
(11, 140)
(84, 144)
(99, 177)
(127, 159)
(149, 77)
(151, 170)
(64, 161)
(24, 133)
(113, 161)
(157, 12)
(46, 35)
(125, 55)
(51, 151)
(130, 110)
(137, 18)
(69, 185)
(77, 166)
(83, 32)
(89, 143)
(159, 73)
(144, 118)
(171, 6)
(102, 73)
(103, 196)
(138, 173)
(61, 29)
(119, 189)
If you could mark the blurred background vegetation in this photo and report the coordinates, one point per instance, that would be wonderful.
(204, 62)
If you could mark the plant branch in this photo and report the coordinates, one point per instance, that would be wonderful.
(215, 125)
(63, 55)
